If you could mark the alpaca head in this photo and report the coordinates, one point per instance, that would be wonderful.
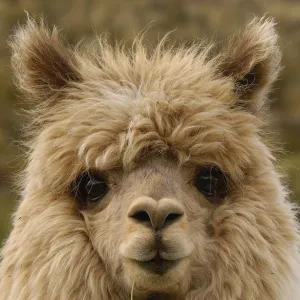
(148, 167)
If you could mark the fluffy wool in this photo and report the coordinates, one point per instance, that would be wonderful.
(148, 118)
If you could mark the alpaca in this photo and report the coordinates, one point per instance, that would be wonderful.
(149, 175)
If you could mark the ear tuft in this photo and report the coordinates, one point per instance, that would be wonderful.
(42, 65)
(252, 59)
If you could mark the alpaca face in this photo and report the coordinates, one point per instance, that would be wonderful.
(154, 223)
(151, 168)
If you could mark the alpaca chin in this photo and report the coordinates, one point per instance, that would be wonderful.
(173, 279)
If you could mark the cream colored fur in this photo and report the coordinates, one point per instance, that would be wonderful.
(148, 118)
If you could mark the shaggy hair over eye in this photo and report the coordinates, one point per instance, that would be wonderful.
(148, 176)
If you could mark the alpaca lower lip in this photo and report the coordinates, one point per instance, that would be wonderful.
(158, 265)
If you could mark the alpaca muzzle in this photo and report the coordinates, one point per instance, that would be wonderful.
(157, 235)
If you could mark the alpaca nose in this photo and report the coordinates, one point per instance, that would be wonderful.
(156, 214)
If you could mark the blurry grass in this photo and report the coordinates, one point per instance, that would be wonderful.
(291, 166)
(7, 204)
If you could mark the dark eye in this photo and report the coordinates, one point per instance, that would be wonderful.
(89, 188)
(212, 183)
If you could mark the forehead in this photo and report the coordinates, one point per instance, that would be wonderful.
(115, 125)
(127, 107)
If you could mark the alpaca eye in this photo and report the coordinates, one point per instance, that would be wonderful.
(212, 183)
(89, 188)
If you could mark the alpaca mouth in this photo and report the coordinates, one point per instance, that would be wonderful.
(158, 265)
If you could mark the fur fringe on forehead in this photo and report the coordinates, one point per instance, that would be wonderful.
(162, 96)
(50, 73)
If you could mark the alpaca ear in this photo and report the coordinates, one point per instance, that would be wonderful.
(42, 65)
(252, 60)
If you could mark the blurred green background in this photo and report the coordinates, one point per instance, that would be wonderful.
(124, 19)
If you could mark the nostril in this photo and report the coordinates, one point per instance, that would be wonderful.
(141, 216)
(156, 214)
(171, 217)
